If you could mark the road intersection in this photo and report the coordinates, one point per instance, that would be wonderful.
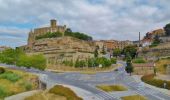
(89, 82)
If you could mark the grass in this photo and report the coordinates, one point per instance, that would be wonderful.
(84, 70)
(139, 60)
(58, 92)
(134, 97)
(88, 72)
(149, 79)
(110, 88)
(13, 82)
(45, 96)
(9, 75)
(3, 92)
(64, 91)
(161, 65)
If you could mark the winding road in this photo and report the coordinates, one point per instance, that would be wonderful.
(88, 82)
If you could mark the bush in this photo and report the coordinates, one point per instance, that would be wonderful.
(104, 61)
(78, 35)
(18, 57)
(3, 92)
(110, 88)
(139, 60)
(64, 91)
(49, 35)
(68, 63)
(80, 63)
(28, 86)
(10, 76)
(94, 62)
(155, 82)
(2, 70)
(36, 61)
(113, 60)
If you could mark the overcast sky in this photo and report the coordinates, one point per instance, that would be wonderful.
(102, 19)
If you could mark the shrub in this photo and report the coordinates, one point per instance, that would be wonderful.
(36, 61)
(104, 61)
(18, 57)
(113, 60)
(3, 92)
(80, 63)
(10, 76)
(2, 70)
(109, 88)
(28, 86)
(68, 63)
(64, 91)
(49, 35)
(155, 82)
(139, 60)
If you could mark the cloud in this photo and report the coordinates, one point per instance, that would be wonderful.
(102, 19)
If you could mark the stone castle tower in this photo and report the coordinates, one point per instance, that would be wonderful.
(40, 31)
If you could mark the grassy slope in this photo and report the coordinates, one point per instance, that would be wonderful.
(13, 82)
(58, 92)
(109, 88)
(134, 97)
(160, 65)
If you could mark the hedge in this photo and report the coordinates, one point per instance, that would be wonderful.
(149, 79)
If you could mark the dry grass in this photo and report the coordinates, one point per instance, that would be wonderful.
(143, 71)
(161, 65)
(88, 72)
(134, 97)
(23, 84)
(81, 70)
(46, 96)
(64, 91)
(110, 88)
(58, 92)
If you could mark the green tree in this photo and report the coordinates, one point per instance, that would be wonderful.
(103, 50)
(129, 67)
(131, 50)
(68, 30)
(96, 53)
(113, 60)
(167, 29)
(9, 56)
(116, 52)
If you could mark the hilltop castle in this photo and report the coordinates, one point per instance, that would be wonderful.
(60, 49)
(40, 31)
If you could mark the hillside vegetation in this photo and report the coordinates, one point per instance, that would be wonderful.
(19, 58)
(161, 65)
(58, 92)
(13, 82)
(78, 35)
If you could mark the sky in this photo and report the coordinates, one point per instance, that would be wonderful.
(101, 19)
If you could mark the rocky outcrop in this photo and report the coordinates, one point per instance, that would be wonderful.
(62, 49)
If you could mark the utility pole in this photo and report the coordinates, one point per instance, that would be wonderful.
(139, 40)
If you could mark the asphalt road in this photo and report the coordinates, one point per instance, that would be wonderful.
(88, 83)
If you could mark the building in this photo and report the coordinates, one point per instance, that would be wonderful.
(146, 42)
(54, 27)
(58, 50)
(109, 45)
(150, 36)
